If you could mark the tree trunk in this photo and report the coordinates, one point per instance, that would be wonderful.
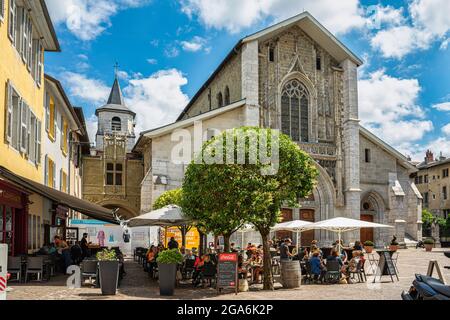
(267, 260)
(226, 242)
(200, 245)
(183, 237)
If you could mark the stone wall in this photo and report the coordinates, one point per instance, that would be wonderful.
(230, 76)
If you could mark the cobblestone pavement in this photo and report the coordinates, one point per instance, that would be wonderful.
(137, 285)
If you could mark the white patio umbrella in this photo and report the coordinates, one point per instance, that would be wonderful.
(342, 224)
(244, 229)
(296, 226)
(169, 216)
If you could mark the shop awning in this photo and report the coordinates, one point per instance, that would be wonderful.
(87, 208)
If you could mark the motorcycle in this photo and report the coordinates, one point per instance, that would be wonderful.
(427, 288)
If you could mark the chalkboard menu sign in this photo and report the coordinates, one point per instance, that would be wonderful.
(227, 271)
(386, 266)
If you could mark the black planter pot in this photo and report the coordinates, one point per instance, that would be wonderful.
(167, 278)
(109, 276)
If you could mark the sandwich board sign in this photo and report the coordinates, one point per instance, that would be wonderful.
(3, 270)
(386, 266)
(227, 271)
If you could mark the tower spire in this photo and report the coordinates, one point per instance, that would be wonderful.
(116, 70)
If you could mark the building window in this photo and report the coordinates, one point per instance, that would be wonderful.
(271, 54)
(445, 173)
(50, 117)
(294, 111)
(63, 181)
(416, 180)
(50, 172)
(367, 155)
(318, 63)
(219, 100)
(116, 124)
(444, 192)
(12, 20)
(64, 135)
(227, 96)
(114, 174)
(425, 198)
(420, 179)
(425, 178)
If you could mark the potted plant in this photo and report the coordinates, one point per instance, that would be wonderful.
(109, 271)
(368, 246)
(167, 270)
(394, 244)
(429, 244)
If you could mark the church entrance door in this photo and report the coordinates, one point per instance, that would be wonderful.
(307, 236)
(366, 233)
(286, 216)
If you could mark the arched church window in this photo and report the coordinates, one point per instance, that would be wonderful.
(219, 100)
(116, 124)
(227, 95)
(294, 111)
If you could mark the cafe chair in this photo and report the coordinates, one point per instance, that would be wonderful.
(333, 273)
(35, 265)
(308, 276)
(188, 268)
(360, 272)
(15, 267)
(209, 274)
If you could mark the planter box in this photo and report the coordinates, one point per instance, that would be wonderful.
(429, 247)
(109, 276)
(167, 278)
(393, 247)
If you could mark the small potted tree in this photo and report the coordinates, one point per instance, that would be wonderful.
(368, 246)
(109, 271)
(429, 244)
(394, 244)
(167, 270)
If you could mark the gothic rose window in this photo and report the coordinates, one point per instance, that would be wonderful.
(116, 124)
(294, 111)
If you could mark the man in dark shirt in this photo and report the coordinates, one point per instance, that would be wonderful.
(284, 250)
(84, 245)
(173, 244)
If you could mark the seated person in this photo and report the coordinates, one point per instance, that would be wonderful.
(313, 249)
(352, 266)
(152, 254)
(242, 270)
(63, 250)
(206, 266)
(256, 262)
(198, 265)
(334, 256)
(317, 267)
(357, 246)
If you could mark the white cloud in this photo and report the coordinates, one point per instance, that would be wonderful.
(171, 52)
(159, 94)
(430, 22)
(152, 61)
(91, 127)
(442, 106)
(378, 15)
(87, 19)
(196, 44)
(235, 15)
(446, 130)
(444, 44)
(80, 86)
(388, 107)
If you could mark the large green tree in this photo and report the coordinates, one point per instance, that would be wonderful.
(275, 171)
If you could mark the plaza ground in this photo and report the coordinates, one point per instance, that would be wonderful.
(137, 285)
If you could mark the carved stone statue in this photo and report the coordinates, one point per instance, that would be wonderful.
(435, 233)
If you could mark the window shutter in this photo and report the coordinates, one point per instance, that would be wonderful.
(40, 62)
(38, 142)
(47, 111)
(30, 45)
(12, 20)
(9, 114)
(32, 138)
(28, 149)
(24, 35)
(34, 58)
(2, 9)
(54, 174)
(46, 168)
(60, 180)
(23, 127)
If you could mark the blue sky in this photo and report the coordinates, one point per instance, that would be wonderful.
(166, 49)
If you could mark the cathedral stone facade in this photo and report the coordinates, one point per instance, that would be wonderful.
(111, 172)
(297, 77)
